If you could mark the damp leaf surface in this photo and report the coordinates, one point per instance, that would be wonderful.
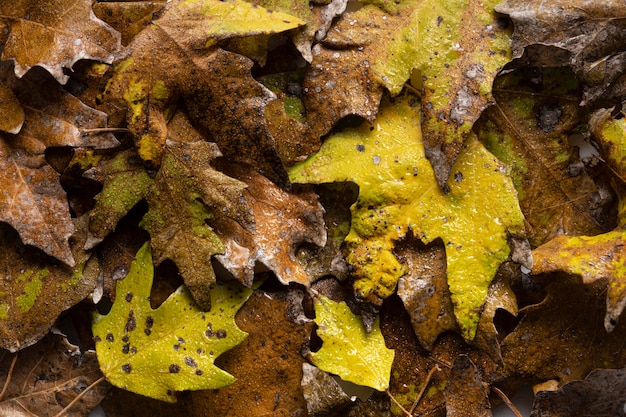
(156, 352)
(399, 191)
(348, 350)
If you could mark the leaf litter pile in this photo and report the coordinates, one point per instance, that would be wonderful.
(251, 208)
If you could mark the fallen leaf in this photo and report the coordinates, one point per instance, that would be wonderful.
(584, 35)
(268, 364)
(600, 256)
(283, 221)
(54, 34)
(36, 289)
(221, 97)
(128, 18)
(47, 377)
(12, 115)
(601, 393)
(561, 338)
(528, 130)
(33, 201)
(173, 348)
(321, 392)
(465, 393)
(348, 350)
(186, 196)
(399, 191)
(383, 43)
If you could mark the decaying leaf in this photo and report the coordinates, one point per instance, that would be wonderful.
(321, 392)
(456, 49)
(186, 196)
(283, 221)
(36, 290)
(128, 17)
(220, 95)
(173, 348)
(528, 130)
(54, 34)
(47, 377)
(32, 199)
(399, 191)
(465, 393)
(348, 350)
(600, 256)
(601, 393)
(587, 35)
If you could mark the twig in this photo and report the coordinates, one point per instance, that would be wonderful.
(423, 390)
(9, 375)
(506, 400)
(79, 396)
(404, 410)
(104, 130)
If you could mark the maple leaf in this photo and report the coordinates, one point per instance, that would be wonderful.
(600, 256)
(453, 50)
(221, 98)
(37, 290)
(173, 348)
(585, 36)
(529, 133)
(283, 222)
(33, 201)
(398, 192)
(54, 34)
(186, 197)
(47, 376)
(348, 350)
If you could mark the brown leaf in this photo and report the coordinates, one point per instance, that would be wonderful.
(465, 393)
(34, 202)
(322, 393)
(601, 393)
(283, 221)
(48, 376)
(54, 34)
(128, 18)
(11, 113)
(37, 289)
(563, 337)
(588, 36)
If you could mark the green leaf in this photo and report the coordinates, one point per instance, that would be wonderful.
(399, 192)
(348, 350)
(173, 348)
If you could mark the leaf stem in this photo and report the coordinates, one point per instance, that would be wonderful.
(9, 375)
(423, 390)
(506, 400)
(104, 130)
(79, 396)
(404, 410)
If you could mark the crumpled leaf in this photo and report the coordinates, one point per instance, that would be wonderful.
(588, 36)
(321, 392)
(33, 201)
(464, 392)
(37, 290)
(348, 350)
(455, 47)
(186, 196)
(601, 393)
(561, 338)
(47, 376)
(54, 34)
(528, 131)
(221, 97)
(399, 191)
(283, 221)
(173, 348)
(600, 256)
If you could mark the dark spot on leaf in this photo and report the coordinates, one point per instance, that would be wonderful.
(110, 338)
(149, 322)
(174, 369)
(129, 297)
(176, 347)
(360, 147)
(126, 368)
(131, 324)
(190, 362)
(221, 334)
(126, 348)
(199, 372)
(147, 332)
(199, 351)
(181, 340)
(458, 177)
(439, 20)
(125, 339)
(97, 339)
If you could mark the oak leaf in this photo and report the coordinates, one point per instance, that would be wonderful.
(54, 34)
(187, 195)
(348, 350)
(399, 192)
(48, 376)
(173, 348)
